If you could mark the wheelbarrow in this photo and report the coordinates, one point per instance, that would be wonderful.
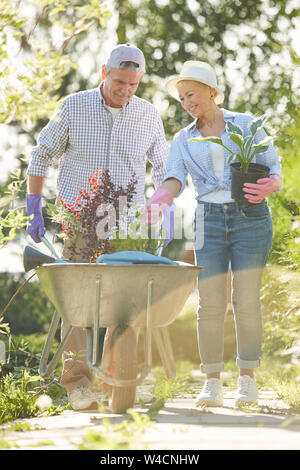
(143, 292)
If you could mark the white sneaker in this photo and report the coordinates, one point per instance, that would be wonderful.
(211, 394)
(82, 398)
(247, 393)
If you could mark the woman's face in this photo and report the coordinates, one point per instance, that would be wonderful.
(195, 97)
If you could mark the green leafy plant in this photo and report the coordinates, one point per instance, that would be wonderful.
(248, 149)
(281, 309)
(12, 218)
(165, 389)
(31, 89)
(16, 397)
(23, 393)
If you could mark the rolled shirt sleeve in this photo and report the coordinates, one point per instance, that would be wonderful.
(175, 164)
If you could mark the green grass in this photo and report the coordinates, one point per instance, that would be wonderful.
(273, 375)
(21, 385)
(126, 434)
(4, 444)
(283, 380)
(46, 442)
(16, 398)
(118, 436)
(165, 389)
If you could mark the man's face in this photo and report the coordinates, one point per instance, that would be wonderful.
(119, 86)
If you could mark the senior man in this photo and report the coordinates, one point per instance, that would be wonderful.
(109, 128)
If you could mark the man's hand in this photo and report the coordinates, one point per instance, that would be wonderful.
(36, 229)
(257, 192)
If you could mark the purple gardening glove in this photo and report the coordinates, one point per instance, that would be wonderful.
(36, 228)
(167, 224)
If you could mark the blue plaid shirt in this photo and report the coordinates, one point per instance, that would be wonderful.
(83, 136)
(194, 158)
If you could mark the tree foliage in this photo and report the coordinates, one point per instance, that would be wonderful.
(31, 311)
(247, 41)
(35, 55)
(285, 205)
(37, 62)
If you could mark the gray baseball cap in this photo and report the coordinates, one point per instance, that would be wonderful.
(126, 53)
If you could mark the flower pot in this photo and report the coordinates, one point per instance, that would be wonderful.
(254, 173)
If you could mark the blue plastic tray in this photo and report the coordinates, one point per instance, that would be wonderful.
(133, 257)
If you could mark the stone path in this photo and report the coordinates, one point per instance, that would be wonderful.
(177, 426)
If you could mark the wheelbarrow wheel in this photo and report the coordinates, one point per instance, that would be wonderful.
(124, 367)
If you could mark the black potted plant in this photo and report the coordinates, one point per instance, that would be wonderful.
(243, 170)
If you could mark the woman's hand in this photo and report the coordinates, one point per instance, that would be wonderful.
(161, 199)
(257, 192)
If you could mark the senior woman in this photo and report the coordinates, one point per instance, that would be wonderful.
(227, 235)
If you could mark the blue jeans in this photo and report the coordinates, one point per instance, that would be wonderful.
(227, 236)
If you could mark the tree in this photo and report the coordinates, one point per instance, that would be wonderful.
(35, 53)
(247, 41)
(39, 45)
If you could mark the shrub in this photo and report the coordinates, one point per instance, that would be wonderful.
(31, 311)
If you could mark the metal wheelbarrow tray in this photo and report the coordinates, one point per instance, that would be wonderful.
(127, 297)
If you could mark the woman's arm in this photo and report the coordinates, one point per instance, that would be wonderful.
(173, 185)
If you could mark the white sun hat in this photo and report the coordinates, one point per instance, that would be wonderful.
(198, 72)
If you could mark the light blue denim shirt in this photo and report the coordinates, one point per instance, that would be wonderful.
(194, 158)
